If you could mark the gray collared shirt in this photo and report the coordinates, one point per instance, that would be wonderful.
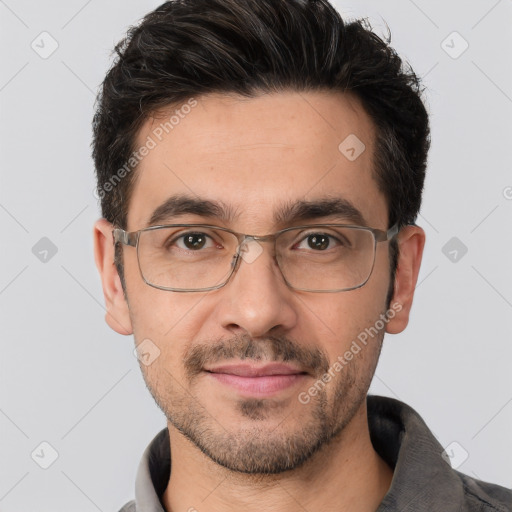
(422, 480)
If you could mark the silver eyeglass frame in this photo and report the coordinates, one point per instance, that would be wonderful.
(131, 238)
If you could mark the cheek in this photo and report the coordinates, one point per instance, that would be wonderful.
(155, 314)
(168, 320)
(335, 321)
(160, 328)
(164, 322)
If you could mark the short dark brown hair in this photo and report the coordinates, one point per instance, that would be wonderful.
(187, 48)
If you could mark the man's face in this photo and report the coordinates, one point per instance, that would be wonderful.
(255, 157)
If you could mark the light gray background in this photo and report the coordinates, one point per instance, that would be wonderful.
(67, 379)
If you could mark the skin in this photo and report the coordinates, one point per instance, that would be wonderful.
(256, 155)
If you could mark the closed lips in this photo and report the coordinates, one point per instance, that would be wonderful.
(246, 370)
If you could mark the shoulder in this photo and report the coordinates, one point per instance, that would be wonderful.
(421, 474)
(484, 496)
(129, 507)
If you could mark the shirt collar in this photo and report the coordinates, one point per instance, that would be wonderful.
(422, 480)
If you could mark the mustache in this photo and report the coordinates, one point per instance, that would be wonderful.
(270, 349)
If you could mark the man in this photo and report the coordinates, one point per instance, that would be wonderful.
(260, 167)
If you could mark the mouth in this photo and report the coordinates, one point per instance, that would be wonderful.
(257, 380)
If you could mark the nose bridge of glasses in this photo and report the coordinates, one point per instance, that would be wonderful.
(253, 241)
(245, 241)
(249, 248)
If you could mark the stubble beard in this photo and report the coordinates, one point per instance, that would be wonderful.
(264, 448)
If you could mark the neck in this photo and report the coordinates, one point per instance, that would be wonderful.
(347, 474)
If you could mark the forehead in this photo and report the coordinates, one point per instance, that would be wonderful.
(256, 154)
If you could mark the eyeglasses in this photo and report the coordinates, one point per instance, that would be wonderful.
(201, 257)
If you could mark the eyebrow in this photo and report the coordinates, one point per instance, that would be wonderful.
(179, 205)
(336, 208)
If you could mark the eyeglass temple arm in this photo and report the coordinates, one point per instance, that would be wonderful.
(124, 237)
(382, 236)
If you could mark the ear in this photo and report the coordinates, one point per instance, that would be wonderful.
(411, 240)
(118, 314)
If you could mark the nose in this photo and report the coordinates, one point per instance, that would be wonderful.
(256, 300)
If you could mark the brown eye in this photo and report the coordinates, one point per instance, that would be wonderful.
(318, 242)
(193, 241)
